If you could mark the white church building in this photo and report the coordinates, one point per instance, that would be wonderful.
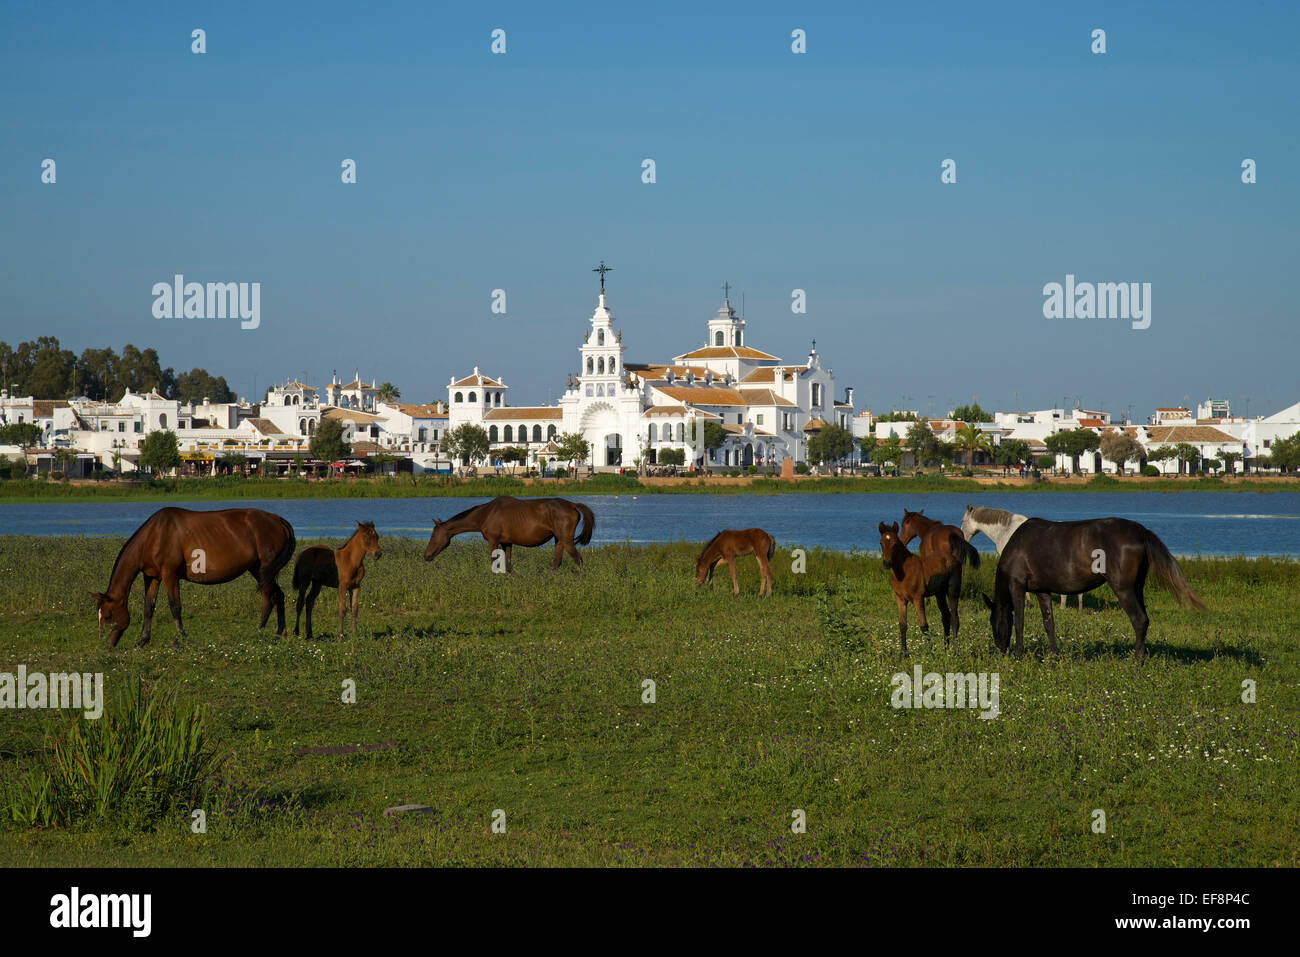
(632, 411)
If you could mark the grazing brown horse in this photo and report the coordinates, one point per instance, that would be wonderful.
(506, 521)
(727, 546)
(341, 568)
(913, 579)
(943, 548)
(1071, 558)
(210, 548)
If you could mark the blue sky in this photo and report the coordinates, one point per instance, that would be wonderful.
(775, 171)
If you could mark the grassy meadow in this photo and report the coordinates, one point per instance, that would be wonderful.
(477, 692)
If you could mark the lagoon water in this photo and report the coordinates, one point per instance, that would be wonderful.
(1190, 523)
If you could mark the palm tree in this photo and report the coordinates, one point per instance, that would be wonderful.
(387, 392)
(970, 440)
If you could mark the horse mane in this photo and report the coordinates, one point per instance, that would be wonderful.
(466, 512)
(991, 516)
(708, 545)
(122, 551)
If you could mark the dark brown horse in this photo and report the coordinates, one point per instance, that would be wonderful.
(913, 579)
(210, 548)
(341, 568)
(727, 546)
(1045, 557)
(942, 550)
(506, 521)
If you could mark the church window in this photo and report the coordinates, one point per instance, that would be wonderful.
(590, 368)
(460, 397)
(510, 433)
(600, 365)
(550, 432)
(681, 432)
(600, 337)
(473, 397)
(652, 432)
(758, 419)
(740, 337)
(590, 391)
(612, 365)
(816, 394)
(497, 399)
(492, 433)
(537, 433)
(600, 390)
(717, 338)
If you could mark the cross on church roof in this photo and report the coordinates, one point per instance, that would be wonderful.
(726, 290)
(602, 269)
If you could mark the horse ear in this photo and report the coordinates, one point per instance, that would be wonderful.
(97, 596)
(882, 528)
(436, 523)
(987, 601)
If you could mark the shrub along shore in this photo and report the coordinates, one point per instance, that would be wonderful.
(407, 486)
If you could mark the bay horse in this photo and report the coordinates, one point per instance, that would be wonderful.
(728, 545)
(209, 548)
(341, 568)
(943, 549)
(1045, 557)
(506, 521)
(914, 578)
(999, 525)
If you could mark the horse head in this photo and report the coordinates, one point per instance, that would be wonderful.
(370, 538)
(888, 539)
(999, 622)
(437, 540)
(911, 526)
(968, 528)
(113, 612)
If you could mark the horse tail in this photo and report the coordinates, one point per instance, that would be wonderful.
(1168, 571)
(771, 547)
(286, 553)
(588, 524)
(963, 550)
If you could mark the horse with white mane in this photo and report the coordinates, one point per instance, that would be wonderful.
(999, 525)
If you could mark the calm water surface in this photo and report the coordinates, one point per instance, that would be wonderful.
(1208, 523)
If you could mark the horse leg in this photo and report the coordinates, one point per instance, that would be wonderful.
(572, 549)
(509, 565)
(735, 585)
(919, 604)
(356, 594)
(150, 596)
(943, 600)
(559, 554)
(1049, 622)
(765, 569)
(1018, 604)
(297, 618)
(172, 584)
(1131, 600)
(311, 603)
(343, 606)
(902, 621)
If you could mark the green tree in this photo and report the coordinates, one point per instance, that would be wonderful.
(970, 439)
(1162, 453)
(971, 413)
(1188, 455)
(159, 451)
(387, 392)
(925, 445)
(467, 442)
(831, 444)
(573, 448)
(895, 416)
(714, 436)
(1120, 448)
(1285, 453)
(888, 452)
(1230, 460)
(198, 384)
(328, 444)
(1012, 453)
(1072, 442)
(672, 457)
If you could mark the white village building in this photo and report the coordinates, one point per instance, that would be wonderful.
(630, 411)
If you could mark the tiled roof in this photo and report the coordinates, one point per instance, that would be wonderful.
(763, 397)
(265, 426)
(349, 415)
(768, 374)
(703, 395)
(479, 379)
(436, 410)
(526, 412)
(1173, 434)
(816, 425)
(726, 352)
(44, 408)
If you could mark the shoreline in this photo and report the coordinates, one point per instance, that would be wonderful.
(36, 491)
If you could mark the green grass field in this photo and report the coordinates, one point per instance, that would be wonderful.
(524, 693)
